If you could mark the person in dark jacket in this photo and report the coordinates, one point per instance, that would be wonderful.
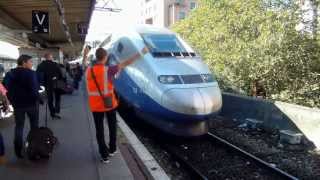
(49, 72)
(23, 86)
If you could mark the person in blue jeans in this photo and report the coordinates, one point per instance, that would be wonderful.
(23, 86)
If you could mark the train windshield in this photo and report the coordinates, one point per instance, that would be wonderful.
(163, 43)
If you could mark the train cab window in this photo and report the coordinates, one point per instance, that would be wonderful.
(120, 48)
(163, 43)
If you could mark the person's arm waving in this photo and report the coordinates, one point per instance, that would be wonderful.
(85, 56)
(133, 58)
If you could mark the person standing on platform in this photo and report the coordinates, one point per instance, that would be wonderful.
(77, 76)
(49, 73)
(23, 87)
(63, 73)
(102, 99)
(3, 94)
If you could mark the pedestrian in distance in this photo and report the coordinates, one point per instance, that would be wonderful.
(102, 99)
(3, 94)
(49, 73)
(23, 86)
(77, 76)
(4, 100)
(258, 90)
(68, 69)
(63, 73)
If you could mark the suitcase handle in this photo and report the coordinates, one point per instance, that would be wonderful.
(46, 119)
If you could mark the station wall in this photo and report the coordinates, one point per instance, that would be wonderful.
(275, 115)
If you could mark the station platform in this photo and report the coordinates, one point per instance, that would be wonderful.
(75, 157)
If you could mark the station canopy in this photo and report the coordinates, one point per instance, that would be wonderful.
(23, 23)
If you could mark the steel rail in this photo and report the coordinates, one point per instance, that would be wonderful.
(256, 159)
(195, 173)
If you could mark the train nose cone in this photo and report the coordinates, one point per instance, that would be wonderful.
(186, 101)
(193, 101)
(212, 99)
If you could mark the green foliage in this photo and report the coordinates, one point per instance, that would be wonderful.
(247, 40)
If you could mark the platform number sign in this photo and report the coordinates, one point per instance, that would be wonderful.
(82, 28)
(40, 21)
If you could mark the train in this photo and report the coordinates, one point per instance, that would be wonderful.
(170, 87)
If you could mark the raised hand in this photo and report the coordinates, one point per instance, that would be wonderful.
(86, 51)
(145, 50)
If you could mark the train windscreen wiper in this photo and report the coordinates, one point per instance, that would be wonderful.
(184, 54)
(162, 54)
(174, 54)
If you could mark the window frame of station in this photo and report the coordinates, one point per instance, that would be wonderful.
(193, 5)
(180, 16)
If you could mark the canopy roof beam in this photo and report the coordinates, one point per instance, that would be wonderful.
(65, 26)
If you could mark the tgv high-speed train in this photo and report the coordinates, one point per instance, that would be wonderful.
(170, 87)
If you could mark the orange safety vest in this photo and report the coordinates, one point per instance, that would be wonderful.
(96, 103)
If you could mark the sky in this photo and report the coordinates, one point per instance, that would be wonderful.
(9, 50)
(101, 23)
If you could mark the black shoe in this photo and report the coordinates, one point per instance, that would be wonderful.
(57, 111)
(113, 153)
(19, 155)
(18, 151)
(105, 159)
(56, 116)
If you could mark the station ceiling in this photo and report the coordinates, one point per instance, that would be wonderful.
(64, 17)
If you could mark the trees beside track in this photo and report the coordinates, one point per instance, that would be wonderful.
(247, 40)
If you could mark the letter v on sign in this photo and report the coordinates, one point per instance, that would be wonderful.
(42, 19)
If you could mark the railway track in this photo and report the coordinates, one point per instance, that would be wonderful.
(243, 164)
(210, 157)
(192, 170)
(265, 164)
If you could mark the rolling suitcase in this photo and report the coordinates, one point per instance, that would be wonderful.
(40, 142)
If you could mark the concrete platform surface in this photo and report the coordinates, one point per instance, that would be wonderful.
(75, 157)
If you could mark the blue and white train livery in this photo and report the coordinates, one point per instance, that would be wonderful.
(170, 87)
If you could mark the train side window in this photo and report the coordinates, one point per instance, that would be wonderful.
(120, 48)
(124, 49)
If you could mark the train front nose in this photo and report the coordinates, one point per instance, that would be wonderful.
(193, 101)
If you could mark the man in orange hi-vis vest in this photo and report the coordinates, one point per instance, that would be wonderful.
(102, 100)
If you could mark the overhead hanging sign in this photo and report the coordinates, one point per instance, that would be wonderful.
(40, 21)
(82, 28)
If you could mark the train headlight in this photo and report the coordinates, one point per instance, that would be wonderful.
(169, 79)
(207, 77)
